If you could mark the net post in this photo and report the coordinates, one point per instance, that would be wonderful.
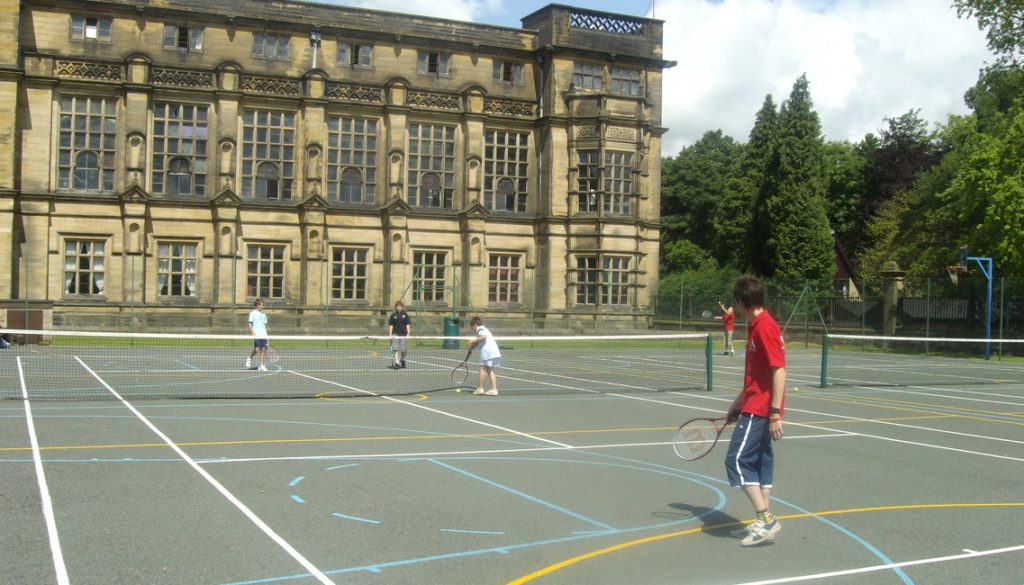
(709, 350)
(824, 361)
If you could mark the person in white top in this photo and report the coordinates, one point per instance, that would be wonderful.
(260, 338)
(490, 356)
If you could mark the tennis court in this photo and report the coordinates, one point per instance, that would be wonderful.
(143, 464)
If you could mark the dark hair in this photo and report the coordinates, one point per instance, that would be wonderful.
(476, 321)
(258, 302)
(748, 291)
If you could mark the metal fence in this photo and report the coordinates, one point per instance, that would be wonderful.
(930, 307)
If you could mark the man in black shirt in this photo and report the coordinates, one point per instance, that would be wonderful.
(399, 327)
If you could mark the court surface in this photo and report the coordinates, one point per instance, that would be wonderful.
(874, 484)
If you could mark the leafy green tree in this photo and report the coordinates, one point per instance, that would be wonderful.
(694, 183)
(799, 243)
(845, 168)
(1004, 20)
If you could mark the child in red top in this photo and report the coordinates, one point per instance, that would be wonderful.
(757, 410)
(728, 317)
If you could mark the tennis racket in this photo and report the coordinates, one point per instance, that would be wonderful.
(696, 437)
(461, 372)
(273, 356)
(705, 314)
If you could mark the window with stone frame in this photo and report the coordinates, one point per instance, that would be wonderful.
(618, 182)
(355, 55)
(625, 81)
(507, 72)
(588, 280)
(348, 274)
(587, 76)
(430, 166)
(351, 160)
(602, 279)
(615, 280)
(91, 28)
(588, 180)
(433, 63)
(264, 275)
(87, 144)
(506, 170)
(84, 267)
(183, 37)
(268, 154)
(503, 278)
(268, 46)
(429, 276)
(180, 134)
(176, 269)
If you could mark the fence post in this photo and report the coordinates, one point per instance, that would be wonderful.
(709, 351)
(824, 361)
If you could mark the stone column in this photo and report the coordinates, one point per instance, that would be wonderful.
(892, 282)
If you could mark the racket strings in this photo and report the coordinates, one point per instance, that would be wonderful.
(695, 438)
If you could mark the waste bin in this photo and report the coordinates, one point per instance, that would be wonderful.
(451, 330)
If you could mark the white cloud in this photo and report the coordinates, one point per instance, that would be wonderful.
(865, 60)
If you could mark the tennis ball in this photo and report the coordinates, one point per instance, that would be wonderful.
(795, 389)
(457, 390)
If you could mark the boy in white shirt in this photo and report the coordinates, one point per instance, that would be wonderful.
(490, 356)
(260, 338)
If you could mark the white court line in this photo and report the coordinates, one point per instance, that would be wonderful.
(888, 566)
(306, 564)
(466, 453)
(435, 411)
(44, 491)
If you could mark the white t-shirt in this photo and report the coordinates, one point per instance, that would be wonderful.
(258, 320)
(489, 349)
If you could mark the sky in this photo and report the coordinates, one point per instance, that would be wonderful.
(865, 60)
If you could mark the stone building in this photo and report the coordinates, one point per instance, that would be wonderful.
(164, 162)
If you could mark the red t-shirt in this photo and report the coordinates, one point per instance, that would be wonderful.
(728, 318)
(766, 350)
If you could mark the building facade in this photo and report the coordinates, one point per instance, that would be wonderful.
(164, 163)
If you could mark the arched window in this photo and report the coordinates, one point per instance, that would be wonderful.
(267, 181)
(87, 171)
(179, 177)
(351, 186)
(430, 190)
(506, 195)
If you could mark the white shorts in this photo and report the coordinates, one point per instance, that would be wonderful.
(491, 363)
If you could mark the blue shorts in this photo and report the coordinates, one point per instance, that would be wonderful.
(260, 343)
(750, 460)
(491, 363)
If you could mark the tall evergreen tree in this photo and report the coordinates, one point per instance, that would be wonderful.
(799, 242)
(754, 183)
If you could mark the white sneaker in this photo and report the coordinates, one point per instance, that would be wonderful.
(263, 368)
(248, 363)
(491, 392)
(761, 533)
(742, 531)
(478, 392)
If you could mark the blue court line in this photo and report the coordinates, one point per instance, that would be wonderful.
(487, 532)
(296, 481)
(524, 495)
(356, 518)
(506, 549)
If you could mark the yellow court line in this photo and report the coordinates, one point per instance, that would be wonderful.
(928, 405)
(633, 543)
(923, 411)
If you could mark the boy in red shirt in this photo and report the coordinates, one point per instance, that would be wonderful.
(757, 410)
(728, 318)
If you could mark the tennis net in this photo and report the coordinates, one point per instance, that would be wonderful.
(63, 365)
(854, 360)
